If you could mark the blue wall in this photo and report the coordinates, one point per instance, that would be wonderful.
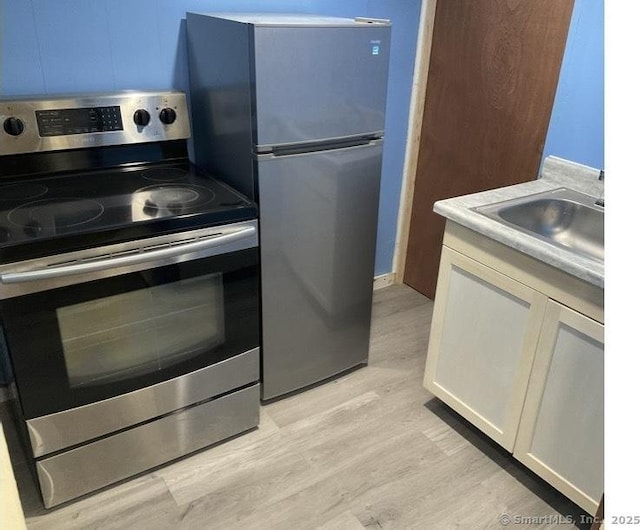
(576, 129)
(101, 45)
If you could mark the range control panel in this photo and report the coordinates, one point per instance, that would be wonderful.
(63, 122)
(91, 120)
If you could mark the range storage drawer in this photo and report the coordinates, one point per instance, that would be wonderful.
(98, 464)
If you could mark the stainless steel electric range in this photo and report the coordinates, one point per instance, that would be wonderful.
(129, 305)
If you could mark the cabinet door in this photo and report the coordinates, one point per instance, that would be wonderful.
(561, 435)
(483, 338)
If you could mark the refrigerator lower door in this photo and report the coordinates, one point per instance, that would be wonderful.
(318, 219)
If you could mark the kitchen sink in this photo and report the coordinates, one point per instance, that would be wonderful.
(562, 217)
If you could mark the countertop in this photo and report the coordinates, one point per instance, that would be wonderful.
(556, 173)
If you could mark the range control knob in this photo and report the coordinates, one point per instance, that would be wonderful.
(141, 117)
(167, 116)
(13, 126)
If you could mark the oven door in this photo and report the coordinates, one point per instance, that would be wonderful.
(89, 334)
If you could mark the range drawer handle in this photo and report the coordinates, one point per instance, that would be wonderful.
(143, 256)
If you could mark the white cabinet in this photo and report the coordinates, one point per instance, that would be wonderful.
(517, 348)
(561, 434)
(483, 337)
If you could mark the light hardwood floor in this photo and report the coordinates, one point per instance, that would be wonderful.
(371, 449)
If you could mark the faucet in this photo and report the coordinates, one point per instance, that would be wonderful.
(600, 201)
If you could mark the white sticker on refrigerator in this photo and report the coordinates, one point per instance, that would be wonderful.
(375, 47)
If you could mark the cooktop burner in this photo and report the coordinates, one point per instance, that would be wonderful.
(164, 195)
(21, 191)
(104, 206)
(154, 201)
(56, 213)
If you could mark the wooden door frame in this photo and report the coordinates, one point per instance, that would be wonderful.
(416, 112)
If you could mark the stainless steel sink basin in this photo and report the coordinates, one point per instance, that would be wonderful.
(562, 217)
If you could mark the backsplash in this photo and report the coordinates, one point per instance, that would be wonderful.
(582, 178)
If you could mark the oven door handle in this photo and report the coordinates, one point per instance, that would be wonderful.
(142, 256)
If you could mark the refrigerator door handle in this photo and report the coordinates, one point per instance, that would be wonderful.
(301, 149)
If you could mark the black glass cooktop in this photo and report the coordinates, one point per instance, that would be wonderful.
(51, 215)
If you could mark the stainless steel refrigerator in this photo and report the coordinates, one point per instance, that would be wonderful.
(289, 109)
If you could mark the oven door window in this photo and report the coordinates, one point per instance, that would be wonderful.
(95, 340)
(131, 334)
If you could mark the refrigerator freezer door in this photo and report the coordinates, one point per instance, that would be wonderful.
(318, 235)
(319, 83)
